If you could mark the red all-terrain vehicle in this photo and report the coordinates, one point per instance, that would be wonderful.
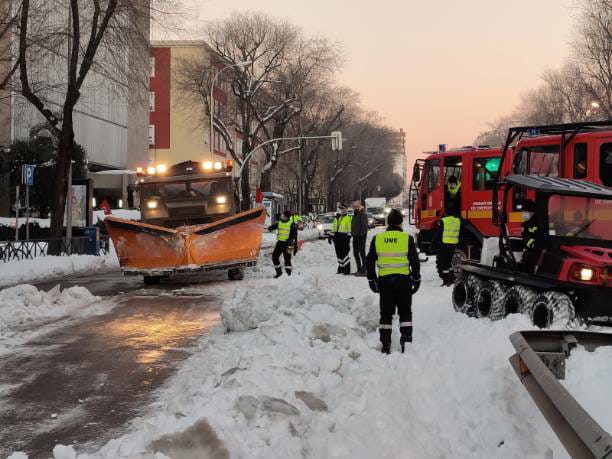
(572, 277)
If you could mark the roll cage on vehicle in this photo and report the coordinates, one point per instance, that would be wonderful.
(569, 212)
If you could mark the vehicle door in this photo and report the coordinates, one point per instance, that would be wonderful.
(432, 195)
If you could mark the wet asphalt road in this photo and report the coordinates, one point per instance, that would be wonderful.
(82, 383)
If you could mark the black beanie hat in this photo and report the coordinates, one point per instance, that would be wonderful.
(395, 218)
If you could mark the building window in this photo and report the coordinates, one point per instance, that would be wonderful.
(151, 101)
(151, 67)
(151, 134)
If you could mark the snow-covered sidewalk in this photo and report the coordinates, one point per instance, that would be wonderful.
(27, 312)
(299, 374)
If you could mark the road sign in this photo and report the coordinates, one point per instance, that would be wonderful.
(27, 174)
(336, 140)
(534, 131)
(442, 147)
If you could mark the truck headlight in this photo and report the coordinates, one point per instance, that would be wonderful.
(151, 204)
(221, 199)
(207, 165)
(586, 274)
(320, 227)
(218, 165)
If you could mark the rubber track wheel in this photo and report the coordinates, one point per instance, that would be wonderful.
(553, 309)
(518, 300)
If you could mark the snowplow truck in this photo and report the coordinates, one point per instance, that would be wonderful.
(189, 223)
(570, 276)
(581, 151)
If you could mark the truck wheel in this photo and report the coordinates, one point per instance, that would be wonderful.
(518, 300)
(464, 293)
(488, 302)
(235, 274)
(552, 309)
(152, 280)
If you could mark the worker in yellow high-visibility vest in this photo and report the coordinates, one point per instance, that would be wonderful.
(445, 243)
(393, 253)
(286, 243)
(341, 237)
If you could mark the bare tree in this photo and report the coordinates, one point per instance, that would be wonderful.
(268, 93)
(108, 38)
(593, 52)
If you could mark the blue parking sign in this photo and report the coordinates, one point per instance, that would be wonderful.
(27, 174)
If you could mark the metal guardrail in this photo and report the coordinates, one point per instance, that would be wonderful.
(28, 250)
(539, 362)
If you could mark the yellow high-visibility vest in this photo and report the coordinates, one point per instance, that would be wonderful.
(342, 224)
(392, 251)
(454, 190)
(283, 230)
(452, 226)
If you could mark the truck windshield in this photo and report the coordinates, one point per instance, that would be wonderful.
(195, 189)
(580, 217)
(375, 210)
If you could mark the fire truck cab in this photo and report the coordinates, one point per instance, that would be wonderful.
(476, 170)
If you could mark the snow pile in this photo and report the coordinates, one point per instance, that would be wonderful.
(588, 379)
(51, 267)
(306, 379)
(24, 309)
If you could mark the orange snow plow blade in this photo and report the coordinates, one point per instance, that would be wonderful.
(147, 249)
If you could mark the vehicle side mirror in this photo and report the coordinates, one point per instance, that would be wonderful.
(416, 173)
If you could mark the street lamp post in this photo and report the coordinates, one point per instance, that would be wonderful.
(212, 100)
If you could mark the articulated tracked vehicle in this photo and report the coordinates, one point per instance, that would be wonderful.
(571, 275)
(189, 223)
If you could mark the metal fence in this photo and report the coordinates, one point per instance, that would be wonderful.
(28, 250)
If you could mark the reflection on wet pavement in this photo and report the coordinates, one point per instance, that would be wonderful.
(96, 375)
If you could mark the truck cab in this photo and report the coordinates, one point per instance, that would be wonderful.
(187, 193)
(476, 170)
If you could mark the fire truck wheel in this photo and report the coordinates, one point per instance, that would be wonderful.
(488, 300)
(235, 274)
(152, 280)
(518, 299)
(463, 294)
(552, 309)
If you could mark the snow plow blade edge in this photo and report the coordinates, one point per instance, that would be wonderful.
(154, 250)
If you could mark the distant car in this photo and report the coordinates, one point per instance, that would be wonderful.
(379, 214)
(371, 220)
(324, 224)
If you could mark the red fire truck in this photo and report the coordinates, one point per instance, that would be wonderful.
(579, 150)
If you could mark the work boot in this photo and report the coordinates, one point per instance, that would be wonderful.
(340, 270)
(288, 271)
(385, 340)
(279, 273)
(405, 336)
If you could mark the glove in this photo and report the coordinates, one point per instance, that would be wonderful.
(416, 283)
(329, 240)
(373, 285)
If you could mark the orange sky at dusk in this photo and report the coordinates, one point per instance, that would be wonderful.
(441, 70)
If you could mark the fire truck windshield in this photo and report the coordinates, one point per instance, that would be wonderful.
(580, 217)
(192, 189)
